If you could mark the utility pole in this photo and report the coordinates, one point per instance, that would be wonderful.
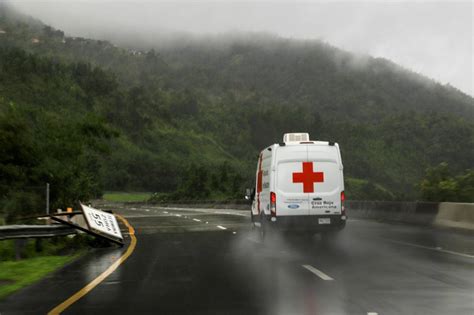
(47, 198)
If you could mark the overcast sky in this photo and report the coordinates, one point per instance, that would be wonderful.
(431, 38)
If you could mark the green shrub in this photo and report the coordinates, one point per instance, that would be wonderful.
(440, 185)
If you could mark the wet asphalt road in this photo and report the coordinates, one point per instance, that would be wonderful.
(211, 262)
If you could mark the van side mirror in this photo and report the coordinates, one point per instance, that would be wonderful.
(249, 193)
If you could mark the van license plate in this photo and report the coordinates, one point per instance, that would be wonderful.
(324, 221)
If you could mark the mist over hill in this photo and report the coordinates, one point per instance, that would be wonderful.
(192, 116)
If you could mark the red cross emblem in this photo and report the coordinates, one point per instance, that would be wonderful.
(308, 177)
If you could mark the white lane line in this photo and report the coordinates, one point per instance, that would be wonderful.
(317, 272)
(221, 227)
(165, 212)
(242, 213)
(228, 213)
(144, 216)
(178, 215)
(197, 220)
(372, 313)
(436, 249)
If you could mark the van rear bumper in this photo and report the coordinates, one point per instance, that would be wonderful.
(307, 223)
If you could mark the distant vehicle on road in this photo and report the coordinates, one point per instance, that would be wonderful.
(299, 187)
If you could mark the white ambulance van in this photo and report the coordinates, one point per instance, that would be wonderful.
(299, 187)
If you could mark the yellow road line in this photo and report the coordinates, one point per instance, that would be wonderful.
(79, 294)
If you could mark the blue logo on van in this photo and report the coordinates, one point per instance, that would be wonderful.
(293, 206)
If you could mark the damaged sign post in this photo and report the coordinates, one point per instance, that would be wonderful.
(97, 222)
(102, 222)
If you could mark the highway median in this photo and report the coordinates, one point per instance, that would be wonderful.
(445, 215)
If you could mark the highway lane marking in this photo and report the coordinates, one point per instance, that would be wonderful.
(165, 212)
(436, 249)
(144, 216)
(163, 228)
(91, 285)
(197, 220)
(221, 227)
(317, 272)
(372, 313)
(213, 211)
(228, 213)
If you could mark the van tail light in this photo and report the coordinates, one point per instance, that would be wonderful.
(273, 200)
(343, 199)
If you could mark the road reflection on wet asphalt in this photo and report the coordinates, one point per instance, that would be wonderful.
(210, 261)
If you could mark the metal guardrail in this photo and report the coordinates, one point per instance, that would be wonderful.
(34, 231)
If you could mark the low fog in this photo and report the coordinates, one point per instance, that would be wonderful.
(432, 38)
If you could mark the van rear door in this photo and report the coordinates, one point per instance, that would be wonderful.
(325, 170)
(290, 198)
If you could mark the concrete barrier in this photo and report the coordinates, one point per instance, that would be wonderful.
(444, 214)
(423, 213)
(455, 215)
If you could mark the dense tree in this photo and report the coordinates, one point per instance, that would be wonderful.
(47, 137)
(440, 185)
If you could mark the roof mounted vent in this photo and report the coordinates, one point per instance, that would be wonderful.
(295, 137)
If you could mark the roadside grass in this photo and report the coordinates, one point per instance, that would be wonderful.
(163, 197)
(15, 275)
(38, 259)
(58, 246)
(127, 196)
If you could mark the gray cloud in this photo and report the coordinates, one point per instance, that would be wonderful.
(431, 38)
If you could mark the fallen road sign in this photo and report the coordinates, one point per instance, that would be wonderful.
(103, 225)
(102, 222)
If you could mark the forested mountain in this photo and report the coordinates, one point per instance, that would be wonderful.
(196, 114)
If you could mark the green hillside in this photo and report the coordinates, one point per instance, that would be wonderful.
(86, 115)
